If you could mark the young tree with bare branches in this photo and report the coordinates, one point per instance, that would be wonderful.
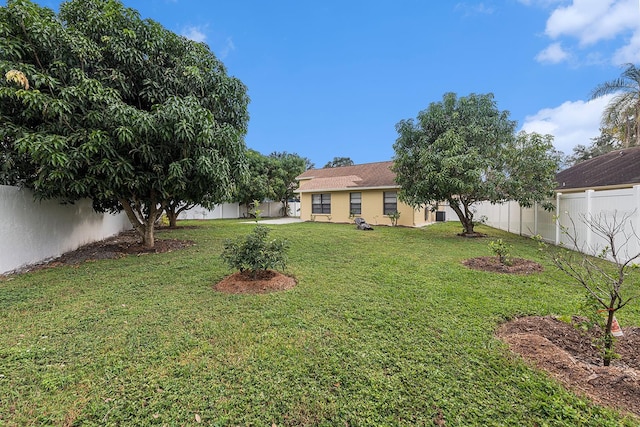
(603, 271)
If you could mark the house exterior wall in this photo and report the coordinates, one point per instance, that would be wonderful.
(372, 209)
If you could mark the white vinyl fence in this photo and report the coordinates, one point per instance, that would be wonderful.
(33, 231)
(235, 210)
(571, 208)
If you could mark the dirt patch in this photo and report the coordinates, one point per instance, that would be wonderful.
(474, 235)
(568, 353)
(492, 263)
(125, 243)
(244, 283)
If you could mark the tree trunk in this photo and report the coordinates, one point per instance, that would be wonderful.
(172, 215)
(608, 339)
(144, 226)
(148, 240)
(465, 218)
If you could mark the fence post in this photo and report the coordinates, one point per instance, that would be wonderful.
(558, 218)
(588, 194)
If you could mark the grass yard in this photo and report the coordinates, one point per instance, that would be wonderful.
(384, 328)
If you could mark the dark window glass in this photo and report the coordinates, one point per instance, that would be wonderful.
(390, 202)
(321, 203)
(355, 203)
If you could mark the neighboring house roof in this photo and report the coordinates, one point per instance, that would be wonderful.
(369, 175)
(617, 168)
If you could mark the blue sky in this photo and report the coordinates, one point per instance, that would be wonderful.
(332, 78)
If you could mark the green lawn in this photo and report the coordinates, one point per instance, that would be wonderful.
(384, 328)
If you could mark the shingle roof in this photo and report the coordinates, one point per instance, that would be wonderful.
(618, 167)
(369, 175)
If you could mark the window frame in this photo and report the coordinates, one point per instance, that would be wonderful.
(322, 208)
(386, 204)
(352, 205)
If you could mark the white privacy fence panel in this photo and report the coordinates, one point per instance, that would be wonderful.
(236, 210)
(571, 210)
(32, 231)
(222, 211)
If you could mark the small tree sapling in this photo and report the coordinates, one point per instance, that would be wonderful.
(604, 272)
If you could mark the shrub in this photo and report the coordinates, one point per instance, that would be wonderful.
(255, 252)
(501, 250)
(394, 216)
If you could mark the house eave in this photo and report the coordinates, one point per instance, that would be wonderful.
(595, 188)
(332, 190)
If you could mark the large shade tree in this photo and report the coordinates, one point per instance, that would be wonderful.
(622, 114)
(287, 166)
(463, 150)
(97, 102)
(258, 184)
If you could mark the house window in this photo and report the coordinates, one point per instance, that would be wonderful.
(355, 203)
(390, 202)
(321, 203)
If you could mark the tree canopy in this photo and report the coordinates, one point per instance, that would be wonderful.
(338, 162)
(463, 150)
(287, 167)
(602, 144)
(622, 114)
(97, 102)
(258, 184)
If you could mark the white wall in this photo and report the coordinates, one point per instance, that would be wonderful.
(571, 206)
(32, 231)
(235, 210)
(225, 210)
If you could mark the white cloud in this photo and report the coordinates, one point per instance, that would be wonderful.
(553, 54)
(572, 123)
(194, 33)
(227, 48)
(629, 53)
(590, 21)
(541, 3)
(583, 25)
(474, 9)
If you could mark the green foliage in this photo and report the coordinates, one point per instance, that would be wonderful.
(255, 252)
(602, 144)
(501, 250)
(271, 177)
(257, 212)
(622, 114)
(118, 109)
(287, 167)
(463, 150)
(257, 184)
(145, 340)
(339, 162)
(394, 217)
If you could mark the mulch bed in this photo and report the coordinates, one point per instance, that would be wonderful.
(125, 243)
(244, 283)
(568, 354)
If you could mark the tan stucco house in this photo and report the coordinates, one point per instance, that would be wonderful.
(368, 191)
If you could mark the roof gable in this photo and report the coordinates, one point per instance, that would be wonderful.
(368, 175)
(618, 167)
